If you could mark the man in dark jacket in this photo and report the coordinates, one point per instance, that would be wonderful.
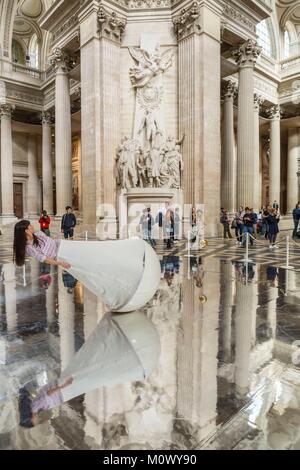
(296, 218)
(68, 223)
(248, 222)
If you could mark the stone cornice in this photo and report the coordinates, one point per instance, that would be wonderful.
(247, 54)
(111, 26)
(275, 113)
(61, 61)
(6, 110)
(258, 101)
(188, 21)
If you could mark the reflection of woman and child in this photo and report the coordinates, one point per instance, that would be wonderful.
(170, 265)
(167, 218)
(123, 348)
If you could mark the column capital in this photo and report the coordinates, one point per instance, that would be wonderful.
(188, 21)
(247, 54)
(61, 61)
(258, 101)
(6, 110)
(110, 25)
(231, 90)
(275, 113)
(46, 118)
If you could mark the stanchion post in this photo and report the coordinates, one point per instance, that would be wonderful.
(86, 236)
(189, 246)
(287, 261)
(246, 259)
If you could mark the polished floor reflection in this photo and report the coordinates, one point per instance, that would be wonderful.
(224, 370)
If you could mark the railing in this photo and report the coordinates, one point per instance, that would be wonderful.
(31, 72)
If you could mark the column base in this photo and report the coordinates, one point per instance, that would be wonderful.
(6, 219)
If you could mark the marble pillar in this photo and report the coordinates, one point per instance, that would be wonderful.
(66, 322)
(198, 34)
(292, 168)
(100, 35)
(246, 305)
(258, 101)
(246, 57)
(274, 163)
(7, 195)
(228, 173)
(10, 297)
(63, 134)
(47, 167)
(226, 302)
(33, 179)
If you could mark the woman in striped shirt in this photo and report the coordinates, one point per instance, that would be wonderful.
(36, 245)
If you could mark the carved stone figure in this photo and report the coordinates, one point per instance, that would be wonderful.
(149, 65)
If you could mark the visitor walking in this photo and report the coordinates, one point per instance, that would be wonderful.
(68, 223)
(296, 218)
(273, 220)
(248, 222)
(224, 220)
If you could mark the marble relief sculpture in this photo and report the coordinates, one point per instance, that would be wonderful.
(149, 159)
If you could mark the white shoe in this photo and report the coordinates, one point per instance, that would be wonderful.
(270, 247)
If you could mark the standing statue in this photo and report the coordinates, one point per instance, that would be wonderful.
(149, 122)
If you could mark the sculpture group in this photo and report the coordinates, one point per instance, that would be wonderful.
(149, 159)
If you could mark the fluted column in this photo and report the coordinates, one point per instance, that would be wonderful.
(226, 302)
(292, 168)
(274, 164)
(33, 179)
(66, 322)
(10, 297)
(47, 168)
(228, 173)
(101, 31)
(63, 134)
(258, 101)
(6, 187)
(246, 57)
(199, 94)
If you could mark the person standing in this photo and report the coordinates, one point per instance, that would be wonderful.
(296, 218)
(275, 205)
(176, 225)
(248, 222)
(273, 220)
(241, 224)
(45, 223)
(147, 223)
(68, 223)
(224, 219)
(255, 218)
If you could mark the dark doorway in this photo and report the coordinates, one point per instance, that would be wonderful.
(18, 200)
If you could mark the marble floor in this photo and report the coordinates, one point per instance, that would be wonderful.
(227, 371)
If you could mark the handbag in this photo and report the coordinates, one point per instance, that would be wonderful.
(234, 224)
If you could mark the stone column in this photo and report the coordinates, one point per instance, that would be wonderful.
(292, 168)
(246, 57)
(100, 34)
(33, 179)
(274, 164)
(6, 186)
(47, 168)
(226, 302)
(63, 134)
(228, 173)
(10, 297)
(198, 33)
(258, 100)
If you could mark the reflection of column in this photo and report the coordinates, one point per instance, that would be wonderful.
(50, 301)
(33, 180)
(228, 173)
(246, 57)
(246, 303)
(34, 276)
(199, 93)
(226, 302)
(66, 322)
(6, 156)
(256, 157)
(100, 35)
(292, 168)
(274, 165)
(197, 353)
(63, 135)
(47, 168)
(10, 297)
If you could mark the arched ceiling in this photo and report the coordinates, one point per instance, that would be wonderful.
(288, 10)
(28, 12)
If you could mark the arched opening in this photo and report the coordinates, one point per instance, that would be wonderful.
(265, 39)
(33, 52)
(18, 53)
(286, 45)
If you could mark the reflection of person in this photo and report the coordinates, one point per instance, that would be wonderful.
(68, 223)
(147, 223)
(48, 397)
(69, 281)
(45, 223)
(36, 245)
